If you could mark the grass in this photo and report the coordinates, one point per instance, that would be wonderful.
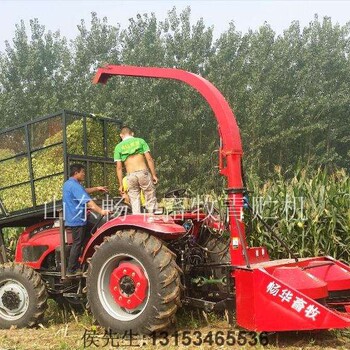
(63, 329)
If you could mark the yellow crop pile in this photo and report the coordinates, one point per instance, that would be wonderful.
(49, 161)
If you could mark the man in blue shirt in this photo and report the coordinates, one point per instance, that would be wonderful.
(75, 200)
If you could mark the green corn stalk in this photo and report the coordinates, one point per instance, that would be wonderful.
(320, 224)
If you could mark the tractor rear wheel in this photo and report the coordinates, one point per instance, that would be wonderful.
(23, 296)
(133, 283)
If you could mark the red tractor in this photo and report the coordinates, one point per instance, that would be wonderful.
(139, 269)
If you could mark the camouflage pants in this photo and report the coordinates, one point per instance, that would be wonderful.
(141, 180)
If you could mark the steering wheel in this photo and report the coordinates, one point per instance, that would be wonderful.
(177, 193)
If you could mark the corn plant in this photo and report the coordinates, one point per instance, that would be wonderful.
(310, 211)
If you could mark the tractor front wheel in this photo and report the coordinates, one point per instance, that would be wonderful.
(133, 283)
(23, 296)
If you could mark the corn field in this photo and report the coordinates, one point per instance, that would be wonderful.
(310, 212)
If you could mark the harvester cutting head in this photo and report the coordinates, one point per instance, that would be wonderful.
(284, 295)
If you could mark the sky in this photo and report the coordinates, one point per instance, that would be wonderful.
(66, 15)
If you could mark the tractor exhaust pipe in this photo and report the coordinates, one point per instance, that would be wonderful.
(63, 245)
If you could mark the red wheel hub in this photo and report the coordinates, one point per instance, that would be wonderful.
(128, 285)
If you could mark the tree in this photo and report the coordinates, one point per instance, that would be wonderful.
(33, 74)
(289, 92)
(92, 48)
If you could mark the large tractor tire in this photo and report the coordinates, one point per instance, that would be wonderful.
(133, 283)
(23, 296)
(218, 249)
(218, 253)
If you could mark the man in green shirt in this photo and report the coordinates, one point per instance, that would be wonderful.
(135, 153)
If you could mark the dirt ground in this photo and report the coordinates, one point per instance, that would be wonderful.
(66, 329)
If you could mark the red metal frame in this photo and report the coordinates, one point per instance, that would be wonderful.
(136, 274)
(48, 237)
(270, 301)
(230, 152)
(161, 226)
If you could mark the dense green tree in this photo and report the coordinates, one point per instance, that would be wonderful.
(95, 46)
(33, 72)
(289, 92)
